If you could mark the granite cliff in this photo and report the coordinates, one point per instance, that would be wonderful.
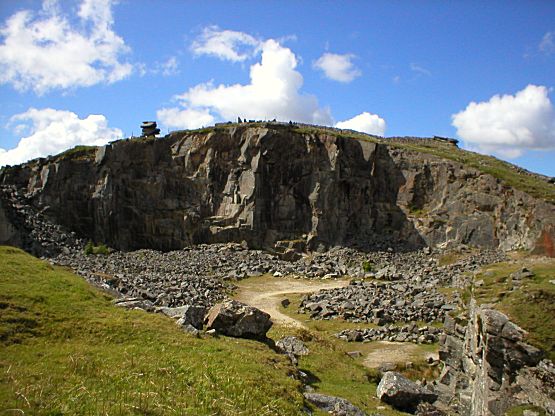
(266, 183)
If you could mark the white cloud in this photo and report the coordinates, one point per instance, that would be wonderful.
(509, 124)
(185, 119)
(170, 67)
(338, 67)
(419, 69)
(365, 123)
(52, 131)
(225, 44)
(44, 51)
(273, 92)
(547, 44)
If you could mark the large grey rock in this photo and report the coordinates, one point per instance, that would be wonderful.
(292, 345)
(401, 393)
(333, 405)
(237, 319)
(191, 315)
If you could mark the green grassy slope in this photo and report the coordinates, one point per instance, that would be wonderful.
(64, 349)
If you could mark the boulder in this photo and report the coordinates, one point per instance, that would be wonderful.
(192, 315)
(401, 393)
(334, 405)
(236, 319)
(292, 345)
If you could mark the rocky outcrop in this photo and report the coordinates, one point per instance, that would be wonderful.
(489, 368)
(401, 393)
(236, 319)
(269, 183)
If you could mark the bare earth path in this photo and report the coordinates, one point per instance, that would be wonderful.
(395, 352)
(266, 293)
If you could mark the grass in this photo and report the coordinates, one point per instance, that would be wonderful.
(340, 375)
(64, 349)
(90, 248)
(331, 371)
(532, 306)
(79, 152)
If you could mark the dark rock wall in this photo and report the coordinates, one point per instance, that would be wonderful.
(264, 184)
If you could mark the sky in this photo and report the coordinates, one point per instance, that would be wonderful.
(90, 71)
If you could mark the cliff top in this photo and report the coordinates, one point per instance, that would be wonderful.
(536, 185)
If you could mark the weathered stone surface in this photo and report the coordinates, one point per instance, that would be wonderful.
(272, 183)
(401, 393)
(489, 369)
(292, 345)
(333, 405)
(236, 319)
(187, 315)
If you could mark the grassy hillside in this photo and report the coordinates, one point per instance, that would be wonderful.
(64, 349)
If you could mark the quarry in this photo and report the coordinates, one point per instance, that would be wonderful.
(353, 274)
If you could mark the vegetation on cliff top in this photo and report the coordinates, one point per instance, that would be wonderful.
(65, 349)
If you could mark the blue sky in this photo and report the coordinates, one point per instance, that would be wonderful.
(86, 72)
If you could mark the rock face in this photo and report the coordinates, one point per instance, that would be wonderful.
(270, 183)
(401, 393)
(236, 319)
(489, 368)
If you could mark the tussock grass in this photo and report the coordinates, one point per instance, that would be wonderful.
(64, 349)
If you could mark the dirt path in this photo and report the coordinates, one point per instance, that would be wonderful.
(395, 352)
(266, 293)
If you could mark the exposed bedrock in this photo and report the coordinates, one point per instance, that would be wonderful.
(489, 368)
(266, 184)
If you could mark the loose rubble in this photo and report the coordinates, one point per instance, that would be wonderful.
(405, 333)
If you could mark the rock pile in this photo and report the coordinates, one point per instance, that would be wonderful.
(405, 333)
(377, 302)
(165, 279)
(31, 229)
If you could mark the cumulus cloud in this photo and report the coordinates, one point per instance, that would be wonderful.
(509, 124)
(185, 119)
(547, 44)
(365, 123)
(273, 92)
(170, 67)
(225, 44)
(50, 131)
(338, 67)
(45, 51)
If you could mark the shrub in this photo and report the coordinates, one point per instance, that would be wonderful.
(367, 266)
